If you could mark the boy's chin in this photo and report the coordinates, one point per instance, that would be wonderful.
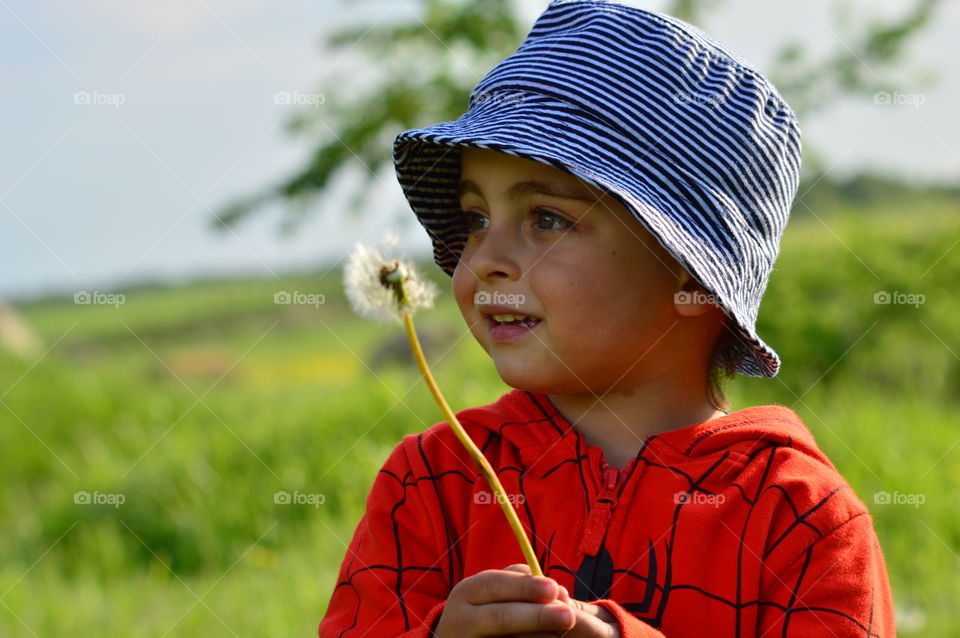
(530, 379)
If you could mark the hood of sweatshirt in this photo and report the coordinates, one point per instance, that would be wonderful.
(530, 422)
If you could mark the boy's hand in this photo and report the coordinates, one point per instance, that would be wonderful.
(512, 602)
(592, 621)
(503, 603)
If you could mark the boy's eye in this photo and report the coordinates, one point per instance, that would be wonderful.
(549, 220)
(472, 221)
(544, 219)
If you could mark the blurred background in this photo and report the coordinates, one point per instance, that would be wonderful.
(191, 416)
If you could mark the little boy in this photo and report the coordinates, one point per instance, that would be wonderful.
(610, 208)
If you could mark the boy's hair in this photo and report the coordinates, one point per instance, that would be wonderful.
(721, 367)
(696, 144)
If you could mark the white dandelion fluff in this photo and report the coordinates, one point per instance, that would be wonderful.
(380, 284)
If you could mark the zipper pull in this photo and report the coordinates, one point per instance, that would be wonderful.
(601, 512)
(611, 476)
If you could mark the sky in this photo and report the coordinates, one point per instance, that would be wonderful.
(126, 125)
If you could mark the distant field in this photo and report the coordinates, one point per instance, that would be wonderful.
(195, 405)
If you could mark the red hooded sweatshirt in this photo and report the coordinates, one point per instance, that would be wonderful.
(737, 526)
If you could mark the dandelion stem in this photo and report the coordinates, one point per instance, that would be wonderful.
(477, 456)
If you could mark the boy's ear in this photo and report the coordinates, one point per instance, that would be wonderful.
(691, 299)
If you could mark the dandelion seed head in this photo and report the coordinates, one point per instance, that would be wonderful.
(380, 284)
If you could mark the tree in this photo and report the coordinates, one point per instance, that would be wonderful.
(422, 80)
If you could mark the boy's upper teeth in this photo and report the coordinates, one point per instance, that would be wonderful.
(507, 318)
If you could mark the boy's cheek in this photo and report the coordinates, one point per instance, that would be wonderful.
(464, 290)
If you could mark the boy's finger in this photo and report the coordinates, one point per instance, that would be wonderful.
(593, 610)
(497, 619)
(505, 585)
(522, 568)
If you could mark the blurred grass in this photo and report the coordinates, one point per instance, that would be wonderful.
(198, 403)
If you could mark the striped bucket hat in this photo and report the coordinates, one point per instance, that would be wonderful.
(697, 145)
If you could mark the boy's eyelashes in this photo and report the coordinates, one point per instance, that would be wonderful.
(543, 219)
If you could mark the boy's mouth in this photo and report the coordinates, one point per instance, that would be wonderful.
(514, 320)
(506, 327)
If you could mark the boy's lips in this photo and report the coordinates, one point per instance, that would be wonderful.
(507, 323)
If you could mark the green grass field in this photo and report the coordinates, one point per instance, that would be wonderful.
(195, 405)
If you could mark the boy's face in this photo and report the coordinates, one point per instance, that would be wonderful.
(598, 286)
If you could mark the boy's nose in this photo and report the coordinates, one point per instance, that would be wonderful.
(495, 255)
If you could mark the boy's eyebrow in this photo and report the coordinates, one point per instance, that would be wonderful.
(532, 187)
